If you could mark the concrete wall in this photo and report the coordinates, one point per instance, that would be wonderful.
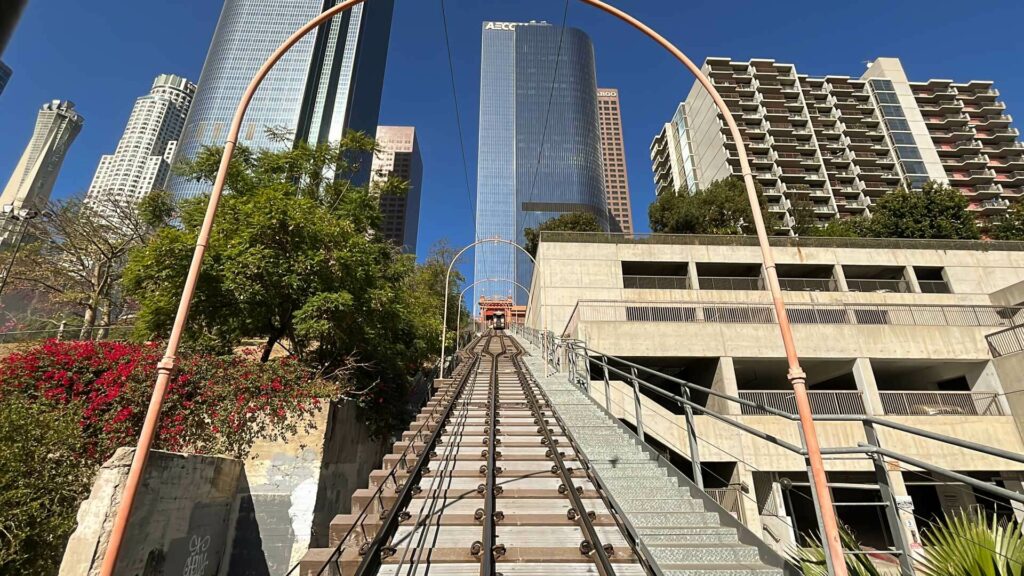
(252, 518)
(181, 516)
(720, 442)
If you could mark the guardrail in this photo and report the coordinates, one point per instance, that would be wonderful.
(799, 313)
(730, 283)
(1005, 342)
(869, 285)
(822, 402)
(64, 332)
(940, 403)
(581, 364)
(780, 241)
(655, 282)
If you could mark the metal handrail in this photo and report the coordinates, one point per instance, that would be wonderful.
(377, 497)
(871, 449)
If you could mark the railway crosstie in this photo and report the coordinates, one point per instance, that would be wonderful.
(500, 474)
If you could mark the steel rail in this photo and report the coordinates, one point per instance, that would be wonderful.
(592, 544)
(371, 561)
(489, 544)
(376, 497)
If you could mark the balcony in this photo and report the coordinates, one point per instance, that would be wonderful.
(972, 176)
(993, 206)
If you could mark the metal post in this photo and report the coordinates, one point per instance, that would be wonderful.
(607, 385)
(691, 433)
(830, 564)
(892, 514)
(637, 407)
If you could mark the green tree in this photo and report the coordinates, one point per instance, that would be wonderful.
(42, 482)
(722, 208)
(295, 258)
(571, 222)
(1009, 225)
(934, 212)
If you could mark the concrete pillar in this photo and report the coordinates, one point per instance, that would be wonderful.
(864, 376)
(724, 382)
(1014, 482)
(984, 378)
(904, 505)
(691, 274)
(911, 277)
(840, 276)
(743, 480)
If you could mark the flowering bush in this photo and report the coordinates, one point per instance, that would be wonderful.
(213, 405)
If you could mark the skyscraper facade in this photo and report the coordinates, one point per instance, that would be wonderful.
(671, 157)
(539, 146)
(10, 13)
(616, 178)
(835, 143)
(330, 82)
(142, 160)
(31, 184)
(399, 157)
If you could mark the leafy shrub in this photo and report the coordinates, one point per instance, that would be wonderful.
(41, 484)
(973, 543)
(213, 405)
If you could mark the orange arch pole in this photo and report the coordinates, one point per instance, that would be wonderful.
(165, 367)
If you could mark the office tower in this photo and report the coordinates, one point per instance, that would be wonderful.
(10, 13)
(616, 179)
(141, 162)
(328, 83)
(836, 143)
(32, 181)
(534, 163)
(399, 157)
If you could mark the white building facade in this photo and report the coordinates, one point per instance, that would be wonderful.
(31, 184)
(143, 157)
(835, 144)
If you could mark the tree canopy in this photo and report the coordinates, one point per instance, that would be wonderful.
(1009, 225)
(571, 222)
(720, 208)
(934, 212)
(295, 259)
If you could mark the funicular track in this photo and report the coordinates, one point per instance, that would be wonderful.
(486, 482)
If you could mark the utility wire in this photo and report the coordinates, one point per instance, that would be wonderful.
(458, 115)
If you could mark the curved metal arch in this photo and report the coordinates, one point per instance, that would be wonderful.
(166, 365)
(458, 316)
(447, 280)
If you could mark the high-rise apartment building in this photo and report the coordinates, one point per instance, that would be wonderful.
(616, 178)
(671, 157)
(142, 160)
(330, 82)
(10, 13)
(31, 184)
(539, 146)
(835, 143)
(399, 157)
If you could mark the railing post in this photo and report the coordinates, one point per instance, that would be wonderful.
(691, 433)
(60, 331)
(607, 385)
(892, 515)
(637, 407)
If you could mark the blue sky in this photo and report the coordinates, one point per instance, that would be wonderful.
(103, 55)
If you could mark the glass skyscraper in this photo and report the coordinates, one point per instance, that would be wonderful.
(330, 82)
(522, 74)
